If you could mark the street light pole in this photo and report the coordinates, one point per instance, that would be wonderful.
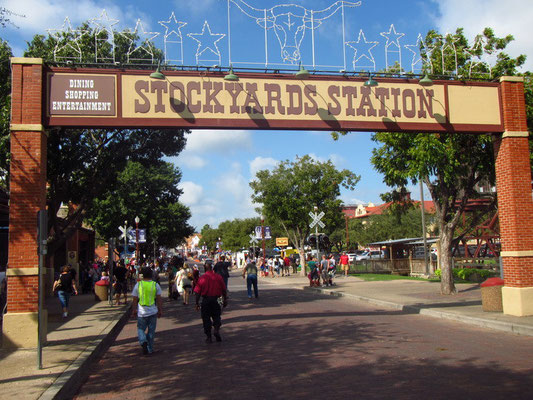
(316, 236)
(125, 240)
(137, 240)
(263, 235)
(423, 211)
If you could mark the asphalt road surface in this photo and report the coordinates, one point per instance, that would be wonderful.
(294, 344)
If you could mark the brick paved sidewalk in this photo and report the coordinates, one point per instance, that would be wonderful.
(71, 344)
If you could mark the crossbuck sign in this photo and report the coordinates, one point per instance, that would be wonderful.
(316, 219)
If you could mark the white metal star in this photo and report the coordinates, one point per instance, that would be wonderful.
(363, 50)
(393, 40)
(417, 57)
(145, 43)
(448, 49)
(173, 36)
(207, 41)
(63, 44)
(104, 25)
(482, 59)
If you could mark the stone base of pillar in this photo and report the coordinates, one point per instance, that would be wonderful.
(19, 330)
(517, 301)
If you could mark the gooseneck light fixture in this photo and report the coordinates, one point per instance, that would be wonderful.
(370, 82)
(157, 74)
(425, 81)
(231, 76)
(302, 73)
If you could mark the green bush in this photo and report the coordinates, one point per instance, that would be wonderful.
(467, 274)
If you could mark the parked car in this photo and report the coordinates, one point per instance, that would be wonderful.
(352, 256)
(370, 255)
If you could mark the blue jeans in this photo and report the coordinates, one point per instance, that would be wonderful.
(63, 298)
(149, 323)
(251, 279)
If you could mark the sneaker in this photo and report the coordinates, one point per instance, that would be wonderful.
(145, 348)
(217, 337)
(65, 315)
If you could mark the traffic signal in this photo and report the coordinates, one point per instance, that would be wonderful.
(311, 240)
(324, 242)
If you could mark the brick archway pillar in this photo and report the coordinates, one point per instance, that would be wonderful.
(27, 197)
(515, 202)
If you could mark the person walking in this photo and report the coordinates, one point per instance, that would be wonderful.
(64, 287)
(286, 265)
(324, 270)
(147, 307)
(121, 282)
(344, 261)
(222, 268)
(210, 287)
(250, 272)
(294, 265)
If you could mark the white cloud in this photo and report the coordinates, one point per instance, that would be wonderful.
(41, 15)
(259, 163)
(206, 141)
(505, 17)
(192, 193)
(192, 161)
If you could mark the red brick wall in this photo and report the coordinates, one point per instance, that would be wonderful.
(513, 179)
(27, 186)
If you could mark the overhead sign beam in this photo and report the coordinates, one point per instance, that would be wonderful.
(105, 98)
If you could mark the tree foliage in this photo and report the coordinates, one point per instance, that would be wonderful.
(149, 192)
(292, 190)
(5, 109)
(234, 234)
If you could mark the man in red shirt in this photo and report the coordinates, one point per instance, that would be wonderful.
(210, 287)
(344, 261)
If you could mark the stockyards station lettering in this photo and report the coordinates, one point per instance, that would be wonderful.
(274, 102)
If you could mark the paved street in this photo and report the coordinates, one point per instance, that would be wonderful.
(299, 344)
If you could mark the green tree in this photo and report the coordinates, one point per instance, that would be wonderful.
(449, 164)
(149, 192)
(289, 192)
(5, 110)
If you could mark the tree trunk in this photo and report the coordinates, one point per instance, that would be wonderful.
(301, 251)
(446, 280)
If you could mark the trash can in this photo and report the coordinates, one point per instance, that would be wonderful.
(491, 294)
(100, 291)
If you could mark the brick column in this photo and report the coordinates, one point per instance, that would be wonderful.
(27, 197)
(515, 203)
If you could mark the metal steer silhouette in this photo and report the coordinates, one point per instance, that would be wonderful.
(289, 22)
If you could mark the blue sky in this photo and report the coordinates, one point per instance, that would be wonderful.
(218, 165)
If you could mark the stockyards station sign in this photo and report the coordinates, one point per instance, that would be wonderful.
(105, 98)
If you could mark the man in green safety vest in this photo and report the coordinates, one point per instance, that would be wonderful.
(147, 307)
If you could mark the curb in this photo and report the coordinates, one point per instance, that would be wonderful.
(68, 383)
(509, 327)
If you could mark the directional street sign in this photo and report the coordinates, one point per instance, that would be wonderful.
(316, 219)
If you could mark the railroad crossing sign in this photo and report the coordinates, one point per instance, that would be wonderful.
(316, 219)
(253, 240)
(124, 231)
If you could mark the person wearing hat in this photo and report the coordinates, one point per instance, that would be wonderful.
(210, 287)
(147, 307)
